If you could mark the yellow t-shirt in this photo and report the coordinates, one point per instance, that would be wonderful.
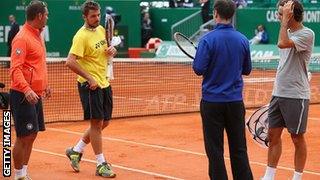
(89, 47)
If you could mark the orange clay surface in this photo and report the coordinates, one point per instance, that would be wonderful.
(155, 147)
(158, 147)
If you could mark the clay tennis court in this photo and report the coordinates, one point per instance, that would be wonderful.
(155, 147)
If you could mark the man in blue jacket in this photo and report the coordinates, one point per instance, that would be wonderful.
(222, 57)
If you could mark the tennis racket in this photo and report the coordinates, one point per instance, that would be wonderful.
(258, 126)
(109, 27)
(185, 44)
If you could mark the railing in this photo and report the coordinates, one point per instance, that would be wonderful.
(188, 26)
(202, 29)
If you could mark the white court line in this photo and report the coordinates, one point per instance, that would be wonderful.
(178, 150)
(143, 76)
(261, 80)
(130, 142)
(135, 99)
(166, 102)
(119, 97)
(113, 165)
(315, 119)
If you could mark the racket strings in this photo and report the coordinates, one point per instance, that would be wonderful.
(186, 45)
(258, 126)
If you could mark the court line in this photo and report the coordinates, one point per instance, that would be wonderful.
(260, 79)
(113, 165)
(316, 119)
(177, 150)
(130, 142)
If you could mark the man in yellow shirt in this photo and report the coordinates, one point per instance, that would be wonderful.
(87, 58)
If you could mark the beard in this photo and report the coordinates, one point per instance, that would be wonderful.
(94, 25)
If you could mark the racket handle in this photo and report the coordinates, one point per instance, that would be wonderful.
(110, 71)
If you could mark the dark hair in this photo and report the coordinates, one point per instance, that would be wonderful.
(225, 8)
(34, 8)
(297, 11)
(89, 5)
(261, 26)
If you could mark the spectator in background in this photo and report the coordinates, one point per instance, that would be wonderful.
(173, 3)
(146, 31)
(184, 3)
(14, 29)
(240, 3)
(188, 3)
(180, 3)
(205, 8)
(261, 36)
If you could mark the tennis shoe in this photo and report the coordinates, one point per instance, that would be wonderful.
(21, 178)
(75, 158)
(104, 170)
(28, 177)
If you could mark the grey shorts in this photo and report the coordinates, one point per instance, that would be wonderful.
(289, 113)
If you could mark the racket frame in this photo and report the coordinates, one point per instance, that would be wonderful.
(253, 130)
(175, 37)
(109, 27)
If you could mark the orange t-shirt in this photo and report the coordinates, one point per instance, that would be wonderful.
(28, 61)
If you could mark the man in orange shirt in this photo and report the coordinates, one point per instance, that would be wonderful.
(29, 84)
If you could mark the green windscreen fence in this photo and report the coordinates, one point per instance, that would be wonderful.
(65, 18)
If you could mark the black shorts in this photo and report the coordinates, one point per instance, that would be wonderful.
(28, 118)
(96, 104)
(289, 113)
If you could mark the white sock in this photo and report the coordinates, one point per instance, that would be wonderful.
(19, 173)
(24, 168)
(80, 146)
(270, 172)
(100, 159)
(297, 176)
